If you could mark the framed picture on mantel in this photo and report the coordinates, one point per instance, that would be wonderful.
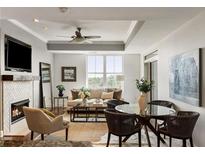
(68, 74)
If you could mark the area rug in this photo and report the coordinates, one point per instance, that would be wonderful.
(46, 143)
(133, 141)
(51, 143)
(55, 141)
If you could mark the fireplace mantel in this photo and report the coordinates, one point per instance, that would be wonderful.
(19, 78)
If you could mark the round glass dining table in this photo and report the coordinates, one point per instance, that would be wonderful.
(151, 111)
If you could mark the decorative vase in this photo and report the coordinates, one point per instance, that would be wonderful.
(60, 93)
(85, 100)
(142, 102)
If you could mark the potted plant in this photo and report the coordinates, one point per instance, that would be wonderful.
(60, 88)
(144, 87)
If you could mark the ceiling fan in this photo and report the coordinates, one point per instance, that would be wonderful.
(79, 38)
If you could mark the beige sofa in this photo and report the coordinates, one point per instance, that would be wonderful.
(95, 94)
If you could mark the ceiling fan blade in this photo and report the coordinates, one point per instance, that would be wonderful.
(62, 36)
(92, 37)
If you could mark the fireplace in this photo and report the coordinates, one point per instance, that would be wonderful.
(17, 110)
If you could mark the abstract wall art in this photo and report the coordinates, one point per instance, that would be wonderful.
(185, 77)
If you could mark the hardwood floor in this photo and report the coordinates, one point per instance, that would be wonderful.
(78, 131)
(84, 131)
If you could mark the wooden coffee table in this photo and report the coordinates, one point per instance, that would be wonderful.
(84, 111)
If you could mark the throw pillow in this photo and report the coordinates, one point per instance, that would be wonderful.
(75, 94)
(107, 95)
(50, 114)
(95, 93)
(117, 94)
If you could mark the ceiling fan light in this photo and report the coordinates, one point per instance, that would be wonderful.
(63, 9)
(81, 41)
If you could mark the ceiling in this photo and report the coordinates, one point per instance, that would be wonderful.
(109, 30)
(112, 24)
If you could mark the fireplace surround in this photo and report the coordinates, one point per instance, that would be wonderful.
(17, 110)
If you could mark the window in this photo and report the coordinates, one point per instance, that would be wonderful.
(113, 70)
(95, 71)
(114, 64)
(95, 64)
(104, 71)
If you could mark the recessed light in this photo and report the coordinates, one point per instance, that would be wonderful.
(35, 20)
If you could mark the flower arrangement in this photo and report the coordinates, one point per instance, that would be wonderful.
(144, 85)
(84, 93)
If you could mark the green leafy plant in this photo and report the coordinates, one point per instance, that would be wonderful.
(60, 87)
(144, 85)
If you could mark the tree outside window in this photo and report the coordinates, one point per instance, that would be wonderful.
(103, 71)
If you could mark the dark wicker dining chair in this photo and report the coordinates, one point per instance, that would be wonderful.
(179, 126)
(121, 124)
(111, 104)
(161, 103)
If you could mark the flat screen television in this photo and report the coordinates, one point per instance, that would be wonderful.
(18, 55)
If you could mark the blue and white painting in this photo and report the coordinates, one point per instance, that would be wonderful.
(184, 84)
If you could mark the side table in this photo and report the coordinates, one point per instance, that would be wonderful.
(57, 98)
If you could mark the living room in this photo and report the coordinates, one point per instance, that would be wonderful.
(125, 44)
(57, 61)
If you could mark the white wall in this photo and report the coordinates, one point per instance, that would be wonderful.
(69, 60)
(189, 36)
(39, 53)
(131, 70)
(39, 48)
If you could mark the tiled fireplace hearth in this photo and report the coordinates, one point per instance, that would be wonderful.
(16, 94)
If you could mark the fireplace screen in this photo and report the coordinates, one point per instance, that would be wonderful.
(17, 110)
